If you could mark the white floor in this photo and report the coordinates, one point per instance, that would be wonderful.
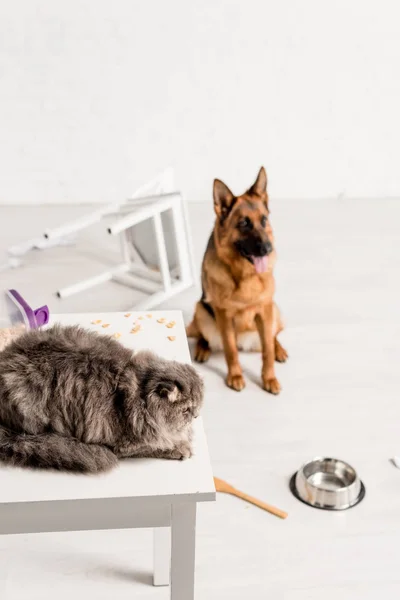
(339, 288)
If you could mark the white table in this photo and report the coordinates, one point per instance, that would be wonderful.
(139, 493)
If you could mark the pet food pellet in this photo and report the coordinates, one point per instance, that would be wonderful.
(171, 324)
(105, 325)
(149, 316)
(96, 322)
(127, 315)
(135, 329)
(160, 320)
(171, 338)
(117, 335)
(140, 318)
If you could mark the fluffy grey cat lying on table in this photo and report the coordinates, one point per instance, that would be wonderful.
(71, 399)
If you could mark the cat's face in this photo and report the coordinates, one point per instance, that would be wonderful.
(173, 391)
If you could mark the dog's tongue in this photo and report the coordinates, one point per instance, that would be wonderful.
(260, 263)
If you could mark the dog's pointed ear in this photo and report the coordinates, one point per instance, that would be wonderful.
(223, 199)
(259, 187)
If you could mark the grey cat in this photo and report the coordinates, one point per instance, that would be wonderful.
(71, 399)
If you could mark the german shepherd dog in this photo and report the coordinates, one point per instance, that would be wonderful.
(237, 309)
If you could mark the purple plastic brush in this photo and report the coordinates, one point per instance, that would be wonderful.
(19, 311)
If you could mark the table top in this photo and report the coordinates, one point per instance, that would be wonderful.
(191, 480)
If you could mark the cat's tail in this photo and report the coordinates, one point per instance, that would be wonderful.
(52, 451)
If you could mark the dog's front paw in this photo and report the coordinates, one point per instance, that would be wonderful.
(235, 382)
(271, 385)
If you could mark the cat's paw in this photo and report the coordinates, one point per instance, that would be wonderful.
(271, 385)
(182, 452)
(235, 382)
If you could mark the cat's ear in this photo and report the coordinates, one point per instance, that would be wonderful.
(167, 390)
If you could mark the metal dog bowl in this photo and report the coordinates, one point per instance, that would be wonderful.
(327, 483)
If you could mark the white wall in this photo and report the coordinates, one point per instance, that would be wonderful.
(97, 96)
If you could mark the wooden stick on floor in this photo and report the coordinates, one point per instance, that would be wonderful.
(226, 488)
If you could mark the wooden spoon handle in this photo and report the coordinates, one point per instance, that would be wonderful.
(271, 509)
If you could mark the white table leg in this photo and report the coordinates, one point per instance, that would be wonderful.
(162, 555)
(183, 551)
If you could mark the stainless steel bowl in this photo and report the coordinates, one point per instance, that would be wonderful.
(328, 483)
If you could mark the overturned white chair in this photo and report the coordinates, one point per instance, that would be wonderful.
(156, 250)
(153, 229)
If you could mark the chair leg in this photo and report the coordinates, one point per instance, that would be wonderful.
(162, 252)
(183, 551)
(162, 555)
